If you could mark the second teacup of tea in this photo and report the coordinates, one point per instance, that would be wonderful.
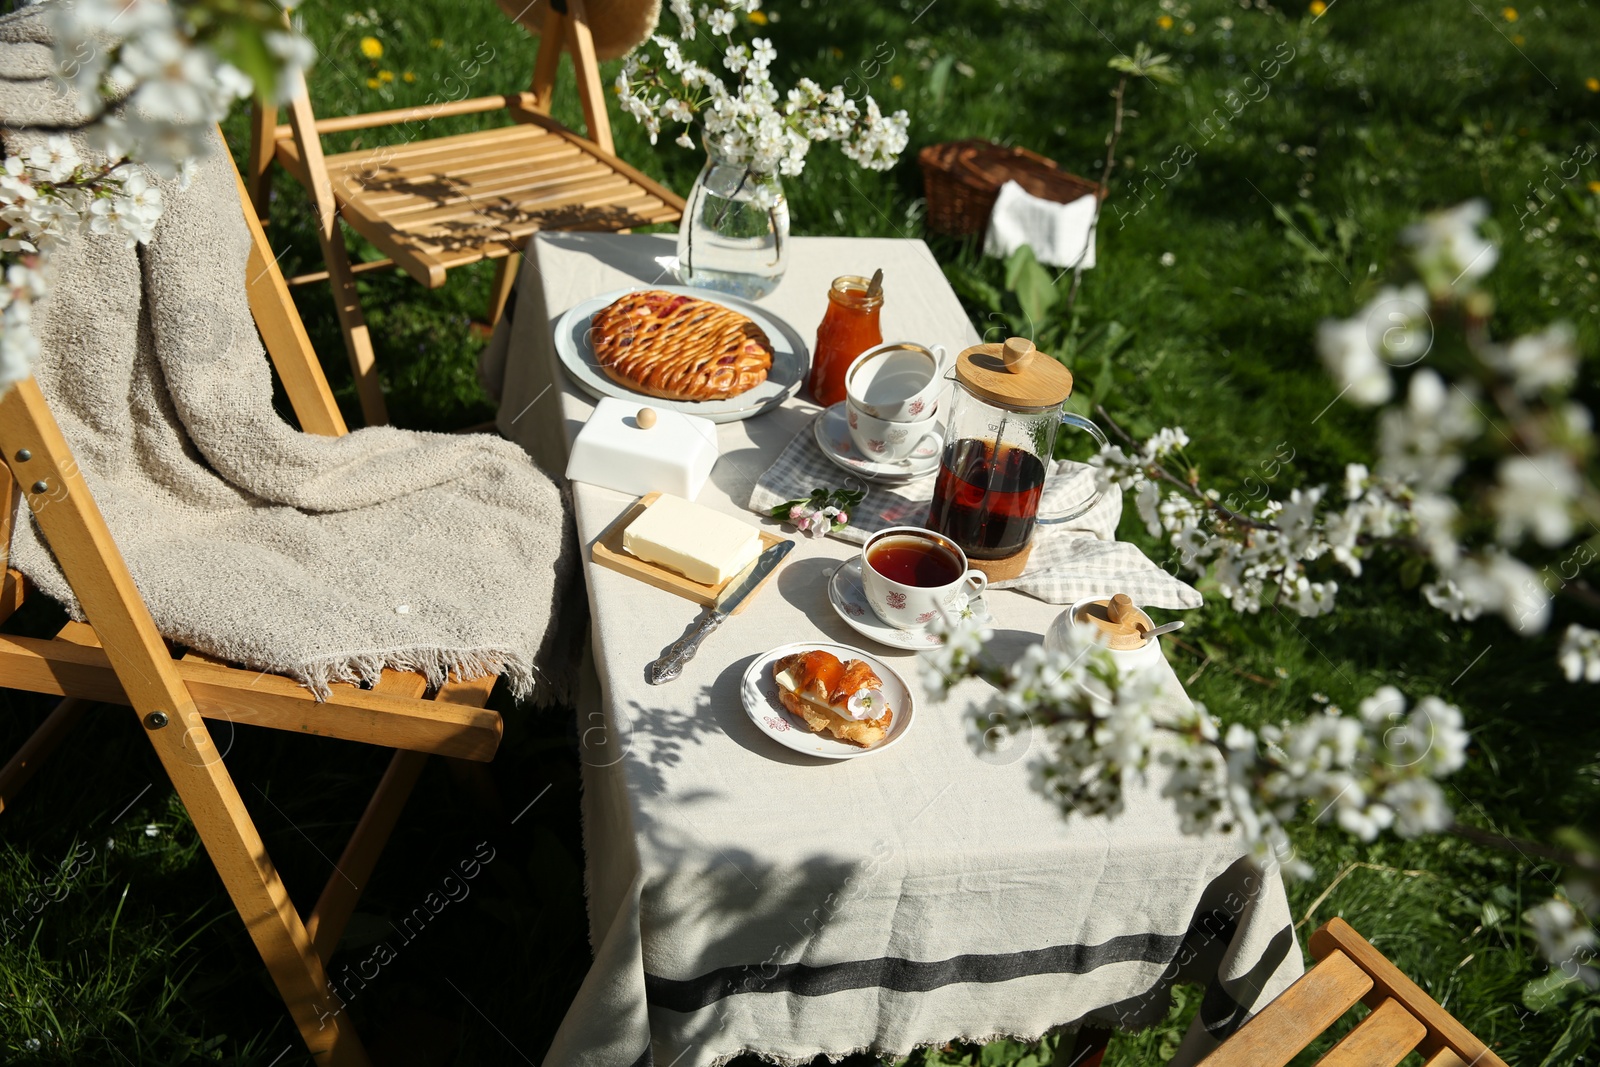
(911, 576)
(896, 382)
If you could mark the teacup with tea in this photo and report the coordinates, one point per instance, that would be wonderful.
(911, 576)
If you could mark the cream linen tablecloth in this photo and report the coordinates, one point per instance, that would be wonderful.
(743, 897)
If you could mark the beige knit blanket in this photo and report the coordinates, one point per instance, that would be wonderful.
(325, 559)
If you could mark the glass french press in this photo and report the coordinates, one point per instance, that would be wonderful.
(1000, 445)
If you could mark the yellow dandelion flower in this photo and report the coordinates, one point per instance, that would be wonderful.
(1165, 22)
(386, 75)
(437, 42)
(897, 82)
(1594, 187)
(758, 17)
(372, 48)
(1509, 14)
(1593, 85)
(373, 83)
(1518, 39)
(408, 77)
(1317, 8)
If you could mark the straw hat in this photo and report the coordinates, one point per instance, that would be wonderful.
(618, 26)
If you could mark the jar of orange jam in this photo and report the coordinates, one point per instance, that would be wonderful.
(849, 327)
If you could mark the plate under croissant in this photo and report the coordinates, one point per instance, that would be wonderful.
(761, 703)
(790, 358)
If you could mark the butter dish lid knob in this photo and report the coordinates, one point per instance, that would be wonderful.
(646, 418)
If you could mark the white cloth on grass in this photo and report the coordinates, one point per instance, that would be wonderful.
(1057, 233)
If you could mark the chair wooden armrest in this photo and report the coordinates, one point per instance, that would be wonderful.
(1350, 971)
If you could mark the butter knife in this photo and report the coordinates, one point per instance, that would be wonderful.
(670, 665)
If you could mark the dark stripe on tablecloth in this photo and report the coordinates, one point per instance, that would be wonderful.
(907, 976)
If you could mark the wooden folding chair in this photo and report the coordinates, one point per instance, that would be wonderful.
(434, 204)
(1403, 1017)
(119, 658)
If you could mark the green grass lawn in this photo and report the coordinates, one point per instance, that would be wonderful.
(1285, 213)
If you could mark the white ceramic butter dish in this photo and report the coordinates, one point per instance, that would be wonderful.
(634, 448)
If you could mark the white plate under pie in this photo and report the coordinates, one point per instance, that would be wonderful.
(761, 703)
(790, 358)
(849, 599)
(832, 431)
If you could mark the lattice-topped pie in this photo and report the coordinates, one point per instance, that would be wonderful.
(679, 347)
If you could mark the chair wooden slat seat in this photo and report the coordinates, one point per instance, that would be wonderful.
(1350, 971)
(457, 200)
(433, 204)
(118, 658)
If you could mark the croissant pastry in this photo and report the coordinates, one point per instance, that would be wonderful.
(844, 699)
(679, 347)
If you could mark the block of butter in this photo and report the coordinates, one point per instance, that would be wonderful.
(704, 546)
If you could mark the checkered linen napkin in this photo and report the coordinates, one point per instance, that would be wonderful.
(1070, 561)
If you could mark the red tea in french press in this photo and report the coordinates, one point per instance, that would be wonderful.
(1000, 447)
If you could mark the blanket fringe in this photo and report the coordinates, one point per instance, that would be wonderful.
(437, 665)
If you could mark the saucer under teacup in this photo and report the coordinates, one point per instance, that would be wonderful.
(832, 432)
(849, 598)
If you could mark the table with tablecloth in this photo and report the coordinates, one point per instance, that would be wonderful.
(744, 897)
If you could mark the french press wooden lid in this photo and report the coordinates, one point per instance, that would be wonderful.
(1014, 375)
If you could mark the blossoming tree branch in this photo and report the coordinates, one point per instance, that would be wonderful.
(150, 79)
(1483, 483)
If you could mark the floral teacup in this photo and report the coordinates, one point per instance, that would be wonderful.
(931, 577)
(890, 442)
(896, 382)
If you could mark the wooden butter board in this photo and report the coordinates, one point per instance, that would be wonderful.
(608, 552)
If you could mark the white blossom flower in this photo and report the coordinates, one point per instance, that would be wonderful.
(1419, 444)
(865, 704)
(1448, 250)
(685, 15)
(676, 111)
(1348, 354)
(1355, 480)
(56, 158)
(1498, 582)
(1580, 654)
(1539, 361)
(1419, 807)
(1563, 934)
(1535, 493)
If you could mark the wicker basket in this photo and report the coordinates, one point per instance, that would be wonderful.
(962, 179)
